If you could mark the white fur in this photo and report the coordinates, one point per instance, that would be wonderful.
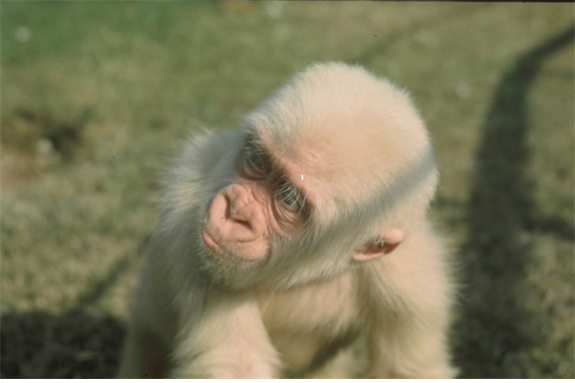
(363, 149)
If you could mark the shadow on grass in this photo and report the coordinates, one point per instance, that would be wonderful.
(70, 345)
(74, 344)
(498, 331)
(95, 291)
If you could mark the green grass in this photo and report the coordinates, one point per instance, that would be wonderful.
(97, 95)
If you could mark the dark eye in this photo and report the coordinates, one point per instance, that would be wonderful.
(289, 196)
(256, 163)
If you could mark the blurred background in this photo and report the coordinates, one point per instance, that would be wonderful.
(96, 96)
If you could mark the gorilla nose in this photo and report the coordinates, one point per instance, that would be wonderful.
(247, 217)
(243, 218)
(240, 217)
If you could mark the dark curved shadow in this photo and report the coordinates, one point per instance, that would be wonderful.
(96, 290)
(73, 344)
(70, 345)
(497, 331)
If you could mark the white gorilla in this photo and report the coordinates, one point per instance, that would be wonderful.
(281, 241)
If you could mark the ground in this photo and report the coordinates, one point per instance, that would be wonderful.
(97, 95)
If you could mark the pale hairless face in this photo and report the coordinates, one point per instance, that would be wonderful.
(268, 197)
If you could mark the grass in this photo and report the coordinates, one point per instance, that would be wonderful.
(97, 95)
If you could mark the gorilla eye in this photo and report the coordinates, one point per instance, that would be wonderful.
(289, 196)
(256, 162)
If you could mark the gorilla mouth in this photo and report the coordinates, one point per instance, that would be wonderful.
(225, 254)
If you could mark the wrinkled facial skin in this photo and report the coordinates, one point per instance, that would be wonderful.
(262, 203)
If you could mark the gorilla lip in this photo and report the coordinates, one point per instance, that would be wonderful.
(209, 241)
(213, 245)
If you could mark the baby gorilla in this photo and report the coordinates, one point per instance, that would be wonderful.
(283, 240)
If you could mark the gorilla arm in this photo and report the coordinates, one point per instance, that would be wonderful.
(199, 331)
(153, 320)
(226, 340)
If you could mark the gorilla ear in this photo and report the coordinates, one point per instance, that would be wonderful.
(384, 244)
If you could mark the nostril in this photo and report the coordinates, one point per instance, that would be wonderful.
(245, 224)
(227, 212)
(237, 215)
